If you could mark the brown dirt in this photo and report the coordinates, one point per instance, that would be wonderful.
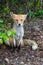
(26, 56)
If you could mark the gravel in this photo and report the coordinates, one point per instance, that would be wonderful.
(26, 56)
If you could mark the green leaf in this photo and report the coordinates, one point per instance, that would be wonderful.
(5, 38)
(14, 32)
(9, 33)
(1, 41)
(1, 20)
(40, 12)
(0, 35)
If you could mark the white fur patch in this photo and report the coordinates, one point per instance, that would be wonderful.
(14, 42)
(34, 46)
(8, 43)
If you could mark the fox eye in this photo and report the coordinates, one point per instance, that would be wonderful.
(17, 20)
(21, 19)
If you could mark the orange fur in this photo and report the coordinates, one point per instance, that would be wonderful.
(18, 18)
(11, 41)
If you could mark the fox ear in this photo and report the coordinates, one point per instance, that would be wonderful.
(25, 16)
(12, 15)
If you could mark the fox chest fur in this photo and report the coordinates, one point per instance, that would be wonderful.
(19, 31)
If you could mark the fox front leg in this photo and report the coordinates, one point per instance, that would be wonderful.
(14, 41)
(21, 42)
(7, 43)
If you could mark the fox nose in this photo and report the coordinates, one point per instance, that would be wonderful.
(19, 24)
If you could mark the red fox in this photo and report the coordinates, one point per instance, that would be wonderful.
(18, 27)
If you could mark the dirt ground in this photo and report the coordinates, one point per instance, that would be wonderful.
(26, 56)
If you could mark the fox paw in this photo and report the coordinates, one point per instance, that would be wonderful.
(8, 43)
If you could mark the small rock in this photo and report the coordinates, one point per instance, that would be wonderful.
(42, 59)
(28, 60)
(41, 36)
(7, 60)
(22, 63)
(25, 64)
(0, 59)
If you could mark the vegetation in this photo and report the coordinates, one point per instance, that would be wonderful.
(34, 8)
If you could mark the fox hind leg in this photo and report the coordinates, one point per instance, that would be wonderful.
(21, 43)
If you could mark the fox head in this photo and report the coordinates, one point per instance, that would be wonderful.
(18, 18)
